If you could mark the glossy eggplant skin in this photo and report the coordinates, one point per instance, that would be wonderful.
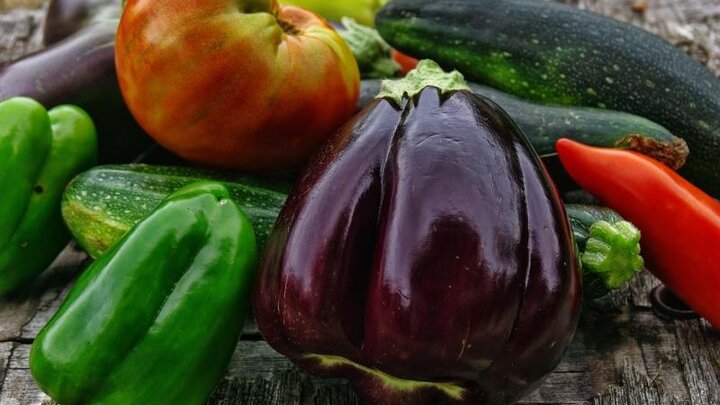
(64, 71)
(425, 255)
(80, 70)
(65, 17)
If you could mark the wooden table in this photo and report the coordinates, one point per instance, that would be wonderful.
(622, 352)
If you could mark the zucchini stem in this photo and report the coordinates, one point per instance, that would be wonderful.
(612, 252)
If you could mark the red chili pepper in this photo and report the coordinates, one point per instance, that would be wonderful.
(407, 63)
(680, 224)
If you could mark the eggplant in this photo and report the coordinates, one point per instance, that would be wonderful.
(424, 254)
(80, 70)
(65, 17)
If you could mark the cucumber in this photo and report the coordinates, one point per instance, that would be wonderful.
(558, 54)
(101, 205)
(545, 124)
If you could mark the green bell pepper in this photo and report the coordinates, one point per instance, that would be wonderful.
(154, 320)
(363, 11)
(40, 152)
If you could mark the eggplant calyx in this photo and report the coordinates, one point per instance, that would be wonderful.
(327, 361)
(612, 252)
(427, 73)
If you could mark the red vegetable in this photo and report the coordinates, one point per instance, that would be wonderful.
(244, 84)
(680, 224)
(407, 63)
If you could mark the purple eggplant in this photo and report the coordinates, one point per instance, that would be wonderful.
(65, 17)
(424, 254)
(72, 70)
(80, 70)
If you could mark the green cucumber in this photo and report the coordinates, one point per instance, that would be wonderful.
(545, 124)
(101, 205)
(557, 54)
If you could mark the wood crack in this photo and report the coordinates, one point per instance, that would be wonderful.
(19, 340)
(4, 370)
(253, 337)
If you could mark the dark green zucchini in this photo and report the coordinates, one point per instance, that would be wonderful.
(545, 124)
(101, 205)
(558, 54)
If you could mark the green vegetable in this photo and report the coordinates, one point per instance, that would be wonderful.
(157, 318)
(557, 54)
(102, 204)
(543, 125)
(372, 53)
(40, 153)
(361, 10)
(609, 248)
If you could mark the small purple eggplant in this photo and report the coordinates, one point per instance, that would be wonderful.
(65, 17)
(424, 254)
(70, 71)
(80, 70)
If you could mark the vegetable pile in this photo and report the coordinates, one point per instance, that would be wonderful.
(409, 234)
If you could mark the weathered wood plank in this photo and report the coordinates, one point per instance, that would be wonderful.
(699, 355)
(626, 357)
(5, 351)
(694, 25)
(22, 316)
(20, 33)
(17, 387)
(636, 293)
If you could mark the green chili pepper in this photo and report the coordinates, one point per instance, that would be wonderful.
(40, 153)
(155, 320)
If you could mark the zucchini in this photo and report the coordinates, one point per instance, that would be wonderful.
(545, 124)
(101, 205)
(558, 54)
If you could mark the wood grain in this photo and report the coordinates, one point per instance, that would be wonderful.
(622, 352)
(20, 33)
(694, 25)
